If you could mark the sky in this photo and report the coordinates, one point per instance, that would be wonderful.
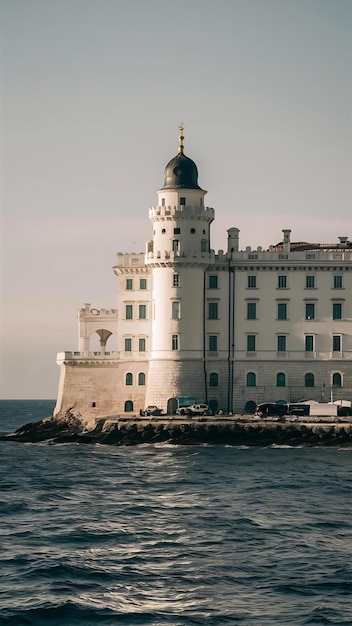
(92, 95)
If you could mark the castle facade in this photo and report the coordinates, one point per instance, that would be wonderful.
(230, 329)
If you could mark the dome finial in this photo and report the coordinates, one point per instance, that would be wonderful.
(181, 138)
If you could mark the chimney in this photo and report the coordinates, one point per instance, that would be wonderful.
(286, 241)
(343, 242)
(233, 239)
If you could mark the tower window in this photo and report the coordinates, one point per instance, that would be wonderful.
(175, 280)
(251, 310)
(213, 343)
(213, 310)
(337, 380)
(282, 311)
(336, 343)
(281, 343)
(162, 201)
(175, 310)
(175, 245)
(281, 380)
(203, 245)
(309, 343)
(177, 231)
(213, 379)
(213, 282)
(182, 201)
(251, 339)
(193, 230)
(163, 231)
(174, 342)
(251, 379)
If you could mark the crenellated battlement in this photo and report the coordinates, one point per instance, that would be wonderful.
(88, 312)
(166, 212)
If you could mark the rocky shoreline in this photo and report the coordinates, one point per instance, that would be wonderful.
(224, 430)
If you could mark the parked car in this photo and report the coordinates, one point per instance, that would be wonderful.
(194, 409)
(152, 410)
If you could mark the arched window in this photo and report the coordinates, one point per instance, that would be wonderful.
(129, 379)
(281, 379)
(251, 379)
(309, 380)
(128, 406)
(213, 379)
(337, 380)
(141, 378)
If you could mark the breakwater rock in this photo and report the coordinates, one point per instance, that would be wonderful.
(229, 430)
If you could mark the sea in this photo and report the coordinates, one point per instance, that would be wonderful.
(169, 535)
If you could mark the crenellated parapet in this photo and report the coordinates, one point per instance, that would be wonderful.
(157, 213)
(88, 313)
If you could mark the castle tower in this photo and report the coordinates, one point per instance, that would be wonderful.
(178, 255)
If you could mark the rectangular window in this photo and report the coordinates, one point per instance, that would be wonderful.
(281, 343)
(251, 340)
(177, 231)
(282, 282)
(336, 311)
(175, 280)
(309, 343)
(128, 344)
(204, 246)
(251, 310)
(282, 311)
(174, 342)
(141, 345)
(182, 201)
(213, 310)
(337, 282)
(142, 283)
(213, 343)
(129, 311)
(142, 309)
(213, 282)
(129, 283)
(175, 245)
(310, 282)
(336, 343)
(310, 311)
(251, 282)
(162, 201)
(175, 313)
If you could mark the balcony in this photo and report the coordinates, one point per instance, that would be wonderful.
(87, 356)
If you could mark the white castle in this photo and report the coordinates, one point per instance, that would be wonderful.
(230, 329)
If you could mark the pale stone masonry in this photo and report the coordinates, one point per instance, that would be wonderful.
(232, 328)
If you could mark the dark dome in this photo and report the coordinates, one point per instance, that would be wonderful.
(181, 173)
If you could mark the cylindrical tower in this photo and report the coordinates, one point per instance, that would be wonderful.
(179, 256)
